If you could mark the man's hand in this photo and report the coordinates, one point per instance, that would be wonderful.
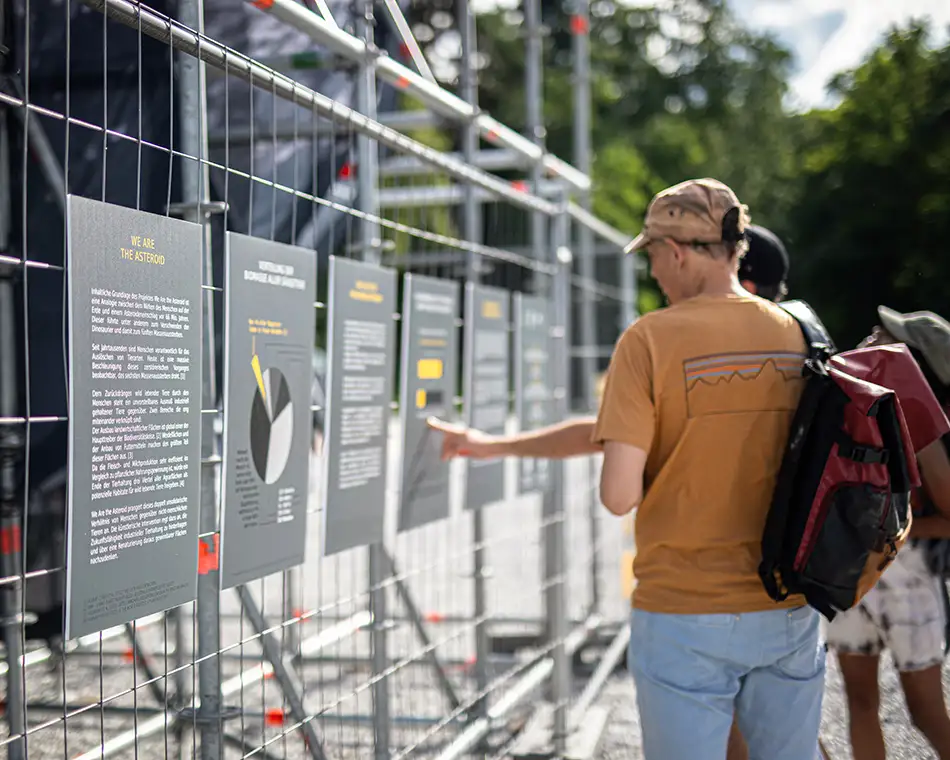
(460, 441)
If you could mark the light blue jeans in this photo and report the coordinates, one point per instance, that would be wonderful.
(694, 672)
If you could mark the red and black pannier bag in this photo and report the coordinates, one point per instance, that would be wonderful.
(841, 508)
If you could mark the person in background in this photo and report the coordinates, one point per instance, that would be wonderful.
(906, 612)
(763, 270)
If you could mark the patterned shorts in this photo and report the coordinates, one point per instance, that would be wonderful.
(904, 613)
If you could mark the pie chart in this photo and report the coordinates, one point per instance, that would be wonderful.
(272, 423)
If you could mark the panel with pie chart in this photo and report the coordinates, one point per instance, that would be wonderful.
(270, 322)
(272, 423)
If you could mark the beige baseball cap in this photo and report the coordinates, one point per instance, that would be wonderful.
(690, 212)
(929, 333)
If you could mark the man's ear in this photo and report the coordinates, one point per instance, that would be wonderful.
(679, 252)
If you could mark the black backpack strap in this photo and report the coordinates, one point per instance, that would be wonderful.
(820, 345)
(820, 348)
(776, 524)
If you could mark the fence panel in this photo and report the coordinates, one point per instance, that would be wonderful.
(434, 642)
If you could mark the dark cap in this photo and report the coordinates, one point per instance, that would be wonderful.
(766, 261)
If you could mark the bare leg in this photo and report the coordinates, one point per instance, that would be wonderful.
(923, 691)
(860, 685)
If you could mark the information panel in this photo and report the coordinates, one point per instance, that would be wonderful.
(429, 377)
(534, 394)
(134, 284)
(269, 334)
(359, 393)
(486, 392)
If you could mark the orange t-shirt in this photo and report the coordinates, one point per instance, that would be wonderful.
(708, 389)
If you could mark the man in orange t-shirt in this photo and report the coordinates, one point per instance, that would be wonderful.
(763, 271)
(694, 421)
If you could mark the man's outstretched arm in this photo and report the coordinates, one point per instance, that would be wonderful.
(565, 439)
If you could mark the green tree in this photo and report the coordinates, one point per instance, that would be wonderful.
(872, 224)
(685, 85)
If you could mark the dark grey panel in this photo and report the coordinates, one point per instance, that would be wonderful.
(487, 384)
(135, 414)
(534, 378)
(361, 354)
(429, 378)
(269, 322)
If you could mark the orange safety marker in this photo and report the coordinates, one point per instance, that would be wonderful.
(208, 554)
(263, 4)
(434, 617)
(10, 539)
(579, 25)
(274, 716)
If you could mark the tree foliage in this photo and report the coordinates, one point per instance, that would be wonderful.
(872, 222)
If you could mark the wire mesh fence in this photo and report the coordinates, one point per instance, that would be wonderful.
(435, 642)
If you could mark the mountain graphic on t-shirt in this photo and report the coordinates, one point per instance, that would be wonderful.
(765, 375)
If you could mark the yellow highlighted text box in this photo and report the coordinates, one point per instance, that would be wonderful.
(429, 369)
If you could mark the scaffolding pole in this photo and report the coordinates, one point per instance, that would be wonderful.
(371, 253)
(454, 195)
(580, 26)
(472, 229)
(12, 444)
(405, 34)
(534, 115)
(585, 241)
(494, 160)
(196, 190)
(555, 501)
(408, 81)
(286, 131)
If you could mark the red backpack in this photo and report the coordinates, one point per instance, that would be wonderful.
(841, 507)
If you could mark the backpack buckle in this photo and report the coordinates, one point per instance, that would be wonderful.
(862, 454)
